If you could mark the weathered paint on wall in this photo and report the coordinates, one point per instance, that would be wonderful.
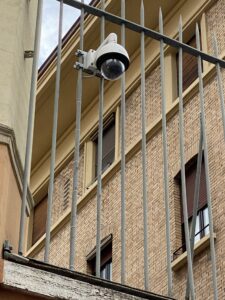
(17, 26)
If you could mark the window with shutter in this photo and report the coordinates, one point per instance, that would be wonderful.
(39, 219)
(108, 145)
(202, 221)
(190, 187)
(106, 259)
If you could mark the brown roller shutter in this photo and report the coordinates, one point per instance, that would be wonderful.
(190, 187)
(108, 146)
(39, 223)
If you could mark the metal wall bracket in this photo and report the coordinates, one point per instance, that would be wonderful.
(93, 72)
(7, 248)
(7, 254)
(28, 54)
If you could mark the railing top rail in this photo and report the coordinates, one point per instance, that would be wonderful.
(148, 32)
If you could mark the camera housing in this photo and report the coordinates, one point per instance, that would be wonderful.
(112, 60)
(109, 61)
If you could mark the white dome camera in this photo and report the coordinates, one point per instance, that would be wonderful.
(110, 59)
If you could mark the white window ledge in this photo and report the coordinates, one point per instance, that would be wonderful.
(198, 248)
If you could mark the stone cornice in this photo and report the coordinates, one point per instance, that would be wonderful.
(7, 137)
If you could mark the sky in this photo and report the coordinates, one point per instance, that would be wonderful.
(50, 19)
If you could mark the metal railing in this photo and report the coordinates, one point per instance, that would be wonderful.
(181, 47)
(182, 248)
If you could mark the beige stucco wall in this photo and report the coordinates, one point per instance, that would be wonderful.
(17, 23)
(10, 201)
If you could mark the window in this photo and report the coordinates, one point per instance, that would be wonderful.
(110, 148)
(106, 259)
(39, 219)
(106, 270)
(108, 145)
(202, 224)
(190, 65)
(202, 221)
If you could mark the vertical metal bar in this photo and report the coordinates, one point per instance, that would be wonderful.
(32, 102)
(220, 84)
(144, 161)
(182, 160)
(196, 201)
(212, 245)
(76, 151)
(123, 161)
(99, 169)
(54, 137)
(165, 159)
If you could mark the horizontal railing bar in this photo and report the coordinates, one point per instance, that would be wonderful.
(148, 32)
(184, 244)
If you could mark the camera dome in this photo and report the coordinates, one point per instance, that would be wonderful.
(112, 69)
(112, 60)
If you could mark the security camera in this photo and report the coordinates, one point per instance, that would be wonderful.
(110, 60)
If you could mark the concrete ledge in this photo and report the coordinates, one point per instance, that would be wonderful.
(38, 278)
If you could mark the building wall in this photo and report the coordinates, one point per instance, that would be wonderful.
(17, 24)
(10, 200)
(110, 214)
(17, 33)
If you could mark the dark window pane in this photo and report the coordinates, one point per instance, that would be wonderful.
(201, 228)
(108, 147)
(106, 270)
(190, 187)
(206, 220)
(106, 263)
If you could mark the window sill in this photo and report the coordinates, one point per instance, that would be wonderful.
(200, 246)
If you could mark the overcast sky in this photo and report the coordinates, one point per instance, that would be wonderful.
(50, 19)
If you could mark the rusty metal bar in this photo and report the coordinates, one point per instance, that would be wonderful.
(54, 137)
(99, 168)
(123, 159)
(220, 84)
(196, 201)
(208, 187)
(76, 152)
(30, 128)
(165, 158)
(182, 160)
(144, 159)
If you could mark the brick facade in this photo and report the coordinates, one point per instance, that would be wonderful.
(110, 218)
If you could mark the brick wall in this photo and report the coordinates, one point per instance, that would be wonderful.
(133, 106)
(215, 24)
(65, 179)
(110, 218)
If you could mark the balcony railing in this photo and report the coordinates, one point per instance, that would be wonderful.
(182, 248)
(181, 48)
